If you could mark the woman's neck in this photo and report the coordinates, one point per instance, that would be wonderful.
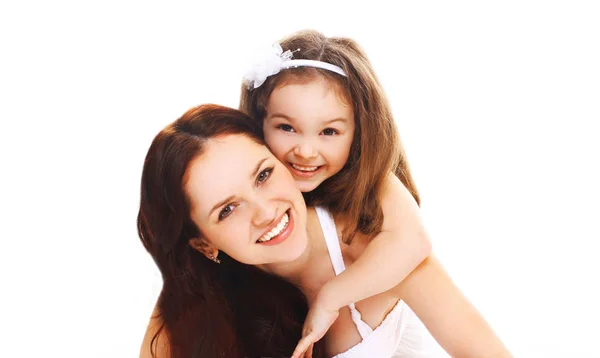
(309, 271)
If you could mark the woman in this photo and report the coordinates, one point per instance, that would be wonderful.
(242, 258)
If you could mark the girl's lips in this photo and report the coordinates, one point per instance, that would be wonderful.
(285, 233)
(304, 174)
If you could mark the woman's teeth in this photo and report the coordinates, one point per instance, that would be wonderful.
(276, 230)
(303, 168)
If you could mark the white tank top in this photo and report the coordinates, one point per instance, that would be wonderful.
(401, 334)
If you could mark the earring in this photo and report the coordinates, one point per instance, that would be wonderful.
(214, 259)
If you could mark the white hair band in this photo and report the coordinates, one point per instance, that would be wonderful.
(276, 60)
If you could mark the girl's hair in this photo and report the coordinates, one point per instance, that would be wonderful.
(208, 309)
(376, 148)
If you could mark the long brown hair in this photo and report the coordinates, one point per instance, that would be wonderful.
(208, 309)
(376, 149)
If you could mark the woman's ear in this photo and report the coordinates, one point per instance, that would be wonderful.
(205, 247)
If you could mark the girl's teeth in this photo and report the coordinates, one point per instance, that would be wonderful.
(304, 169)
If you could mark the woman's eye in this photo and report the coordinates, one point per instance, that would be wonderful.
(329, 131)
(264, 175)
(225, 212)
(285, 127)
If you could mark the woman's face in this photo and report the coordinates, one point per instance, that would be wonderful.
(245, 202)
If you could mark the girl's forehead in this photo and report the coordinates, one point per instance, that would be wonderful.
(311, 76)
(318, 96)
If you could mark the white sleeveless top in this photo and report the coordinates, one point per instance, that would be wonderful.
(401, 334)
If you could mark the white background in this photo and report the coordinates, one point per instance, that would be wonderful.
(498, 105)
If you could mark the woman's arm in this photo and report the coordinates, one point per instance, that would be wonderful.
(452, 320)
(160, 346)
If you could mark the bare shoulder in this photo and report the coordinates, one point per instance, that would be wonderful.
(155, 343)
(395, 196)
(401, 218)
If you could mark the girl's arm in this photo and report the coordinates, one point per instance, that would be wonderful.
(386, 260)
(452, 320)
(389, 257)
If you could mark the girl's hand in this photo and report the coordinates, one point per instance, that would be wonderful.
(317, 323)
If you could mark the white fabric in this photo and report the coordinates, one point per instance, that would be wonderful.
(400, 335)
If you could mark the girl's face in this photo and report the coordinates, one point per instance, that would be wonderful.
(245, 202)
(309, 127)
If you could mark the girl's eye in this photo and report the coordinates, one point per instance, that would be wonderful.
(329, 131)
(263, 175)
(225, 212)
(285, 127)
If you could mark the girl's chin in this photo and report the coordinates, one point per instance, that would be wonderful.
(307, 187)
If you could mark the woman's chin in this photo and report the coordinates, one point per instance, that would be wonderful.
(291, 251)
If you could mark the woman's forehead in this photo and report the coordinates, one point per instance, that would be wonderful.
(225, 165)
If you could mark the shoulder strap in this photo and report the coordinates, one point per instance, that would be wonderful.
(335, 253)
(331, 238)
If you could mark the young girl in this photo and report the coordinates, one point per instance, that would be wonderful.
(325, 116)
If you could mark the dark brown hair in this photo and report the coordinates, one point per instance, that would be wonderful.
(208, 309)
(376, 149)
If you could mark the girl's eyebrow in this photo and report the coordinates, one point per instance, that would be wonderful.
(280, 115)
(340, 119)
(290, 119)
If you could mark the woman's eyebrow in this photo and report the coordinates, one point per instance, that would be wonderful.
(257, 168)
(221, 203)
(231, 197)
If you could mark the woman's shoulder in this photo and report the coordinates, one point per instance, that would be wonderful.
(155, 343)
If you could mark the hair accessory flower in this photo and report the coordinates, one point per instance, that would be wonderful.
(271, 64)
